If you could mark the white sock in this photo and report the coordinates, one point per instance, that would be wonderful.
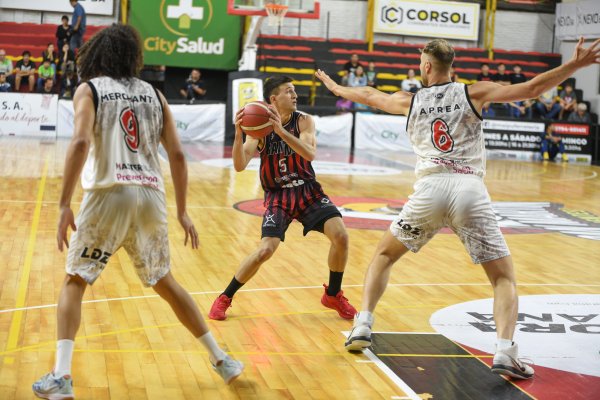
(214, 351)
(64, 357)
(504, 344)
(364, 318)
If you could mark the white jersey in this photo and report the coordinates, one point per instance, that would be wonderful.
(127, 132)
(445, 131)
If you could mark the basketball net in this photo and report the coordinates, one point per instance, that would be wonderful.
(276, 13)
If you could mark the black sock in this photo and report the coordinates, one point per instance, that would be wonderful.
(335, 283)
(233, 287)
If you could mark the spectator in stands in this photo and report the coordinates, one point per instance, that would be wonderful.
(47, 87)
(349, 67)
(66, 58)
(50, 54)
(484, 75)
(411, 83)
(567, 101)
(63, 32)
(25, 69)
(552, 145)
(78, 21)
(68, 84)
(371, 74)
(358, 77)
(193, 88)
(4, 85)
(501, 76)
(520, 109)
(547, 106)
(45, 71)
(517, 75)
(487, 111)
(580, 115)
(5, 64)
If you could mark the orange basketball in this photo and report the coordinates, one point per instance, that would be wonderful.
(255, 121)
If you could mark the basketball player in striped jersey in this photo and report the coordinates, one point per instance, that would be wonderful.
(291, 192)
(444, 126)
(121, 121)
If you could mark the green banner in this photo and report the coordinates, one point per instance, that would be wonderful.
(187, 33)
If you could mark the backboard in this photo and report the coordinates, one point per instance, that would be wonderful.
(309, 9)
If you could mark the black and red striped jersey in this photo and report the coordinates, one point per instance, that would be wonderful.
(280, 166)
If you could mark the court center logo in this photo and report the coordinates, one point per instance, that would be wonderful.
(513, 217)
(560, 331)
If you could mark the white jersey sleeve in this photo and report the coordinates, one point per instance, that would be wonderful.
(127, 133)
(445, 131)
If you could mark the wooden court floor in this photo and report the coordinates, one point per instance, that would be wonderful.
(130, 345)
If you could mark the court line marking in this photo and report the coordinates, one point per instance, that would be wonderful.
(502, 376)
(296, 288)
(22, 286)
(410, 394)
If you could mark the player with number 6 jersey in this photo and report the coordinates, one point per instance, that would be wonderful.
(291, 192)
(445, 130)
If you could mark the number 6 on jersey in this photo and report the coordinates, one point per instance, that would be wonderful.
(440, 137)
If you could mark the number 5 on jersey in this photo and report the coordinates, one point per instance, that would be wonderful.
(440, 137)
(129, 124)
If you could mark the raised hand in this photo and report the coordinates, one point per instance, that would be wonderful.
(327, 81)
(584, 57)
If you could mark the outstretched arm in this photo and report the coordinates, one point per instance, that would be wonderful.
(397, 103)
(481, 92)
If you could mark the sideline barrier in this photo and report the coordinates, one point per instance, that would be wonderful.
(197, 122)
(23, 114)
(334, 130)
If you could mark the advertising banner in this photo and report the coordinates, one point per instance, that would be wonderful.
(334, 130)
(521, 139)
(440, 19)
(578, 19)
(96, 7)
(23, 114)
(197, 122)
(381, 132)
(187, 33)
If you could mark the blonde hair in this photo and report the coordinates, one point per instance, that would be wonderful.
(441, 51)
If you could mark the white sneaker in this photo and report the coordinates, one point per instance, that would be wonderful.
(507, 363)
(360, 335)
(229, 369)
(53, 388)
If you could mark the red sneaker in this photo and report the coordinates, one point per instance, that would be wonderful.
(338, 303)
(221, 304)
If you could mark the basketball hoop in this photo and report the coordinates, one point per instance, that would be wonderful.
(276, 13)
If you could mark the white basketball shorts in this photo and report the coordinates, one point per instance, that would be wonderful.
(460, 202)
(132, 217)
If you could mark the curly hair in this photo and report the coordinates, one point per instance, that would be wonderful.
(115, 52)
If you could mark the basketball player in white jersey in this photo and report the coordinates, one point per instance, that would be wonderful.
(119, 123)
(444, 126)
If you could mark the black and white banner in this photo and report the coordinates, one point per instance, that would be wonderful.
(578, 19)
(441, 19)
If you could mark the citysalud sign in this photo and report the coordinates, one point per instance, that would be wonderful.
(187, 33)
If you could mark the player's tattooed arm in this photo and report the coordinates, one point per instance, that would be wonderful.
(397, 103)
(482, 92)
(242, 152)
(306, 144)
